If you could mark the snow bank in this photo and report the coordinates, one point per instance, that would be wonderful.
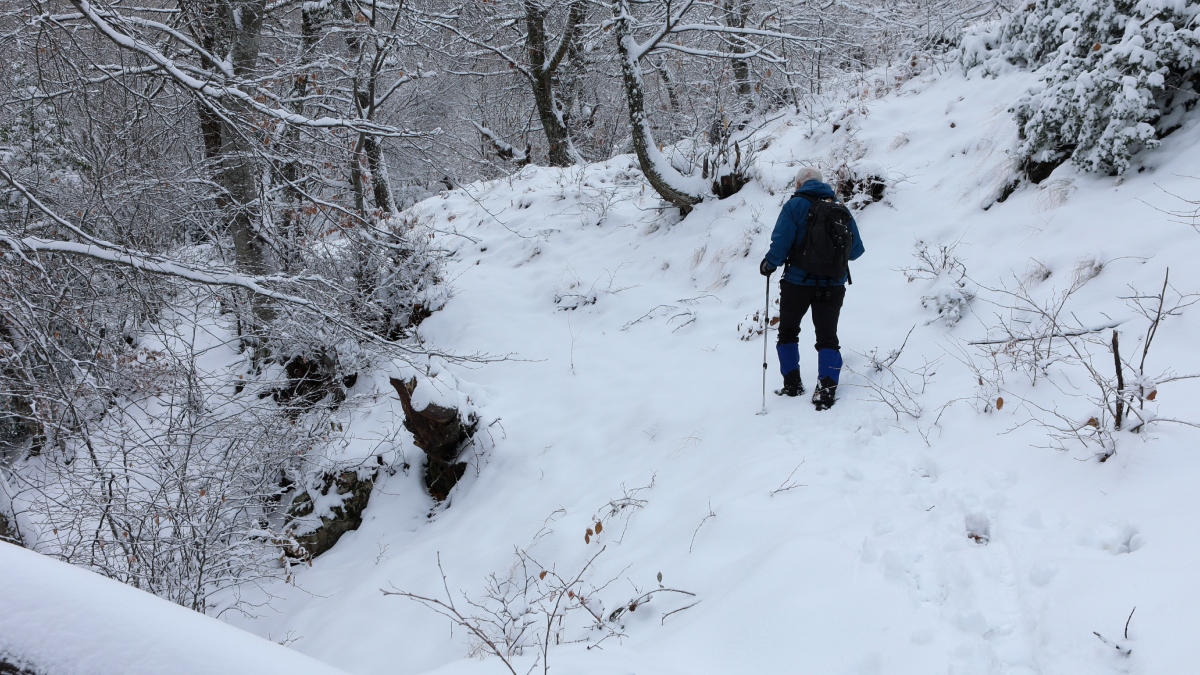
(61, 620)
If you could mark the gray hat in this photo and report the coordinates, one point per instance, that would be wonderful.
(806, 174)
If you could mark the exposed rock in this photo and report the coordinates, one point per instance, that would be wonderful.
(441, 433)
(313, 539)
(1007, 191)
(862, 190)
(1040, 171)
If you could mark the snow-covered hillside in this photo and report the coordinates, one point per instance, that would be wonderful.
(966, 537)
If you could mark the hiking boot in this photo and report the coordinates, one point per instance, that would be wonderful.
(792, 386)
(825, 394)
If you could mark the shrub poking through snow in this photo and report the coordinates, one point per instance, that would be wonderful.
(948, 291)
(1043, 337)
(536, 604)
(1116, 76)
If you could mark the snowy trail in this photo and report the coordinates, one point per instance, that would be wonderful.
(866, 563)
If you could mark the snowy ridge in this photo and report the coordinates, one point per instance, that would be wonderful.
(943, 536)
(63, 620)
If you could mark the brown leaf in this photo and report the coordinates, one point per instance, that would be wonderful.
(587, 538)
(1093, 423)
(999, 403)
(1096, 47)
(542, 575)
(599, 527)
(633, 606)
(203, 492)
(589, 532)
(570, 594)
(1152, 395)
(774, 320)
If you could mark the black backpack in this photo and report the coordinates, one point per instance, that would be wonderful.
(825, 248)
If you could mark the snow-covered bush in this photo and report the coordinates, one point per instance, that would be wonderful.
(174, 493)
(1039, 333)
(948, 291)
(388, 276)
(897, 387)
(1116, 75)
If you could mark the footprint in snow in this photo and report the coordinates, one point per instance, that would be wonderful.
(1042, 574)
(1117, 539)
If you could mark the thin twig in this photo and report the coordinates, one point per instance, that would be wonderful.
(711, 514)
(664, 616)
(785, 486)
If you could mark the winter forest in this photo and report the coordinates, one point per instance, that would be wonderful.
(420, 336)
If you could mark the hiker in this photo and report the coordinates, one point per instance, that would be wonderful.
(814, 230)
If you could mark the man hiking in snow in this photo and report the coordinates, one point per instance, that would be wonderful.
(814, 239)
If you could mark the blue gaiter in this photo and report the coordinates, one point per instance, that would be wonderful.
(789, 357)
(829, 364)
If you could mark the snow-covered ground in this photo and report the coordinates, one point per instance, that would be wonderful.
(64, 620)
(846, 541)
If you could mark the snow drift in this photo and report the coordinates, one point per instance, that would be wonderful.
(57, 619)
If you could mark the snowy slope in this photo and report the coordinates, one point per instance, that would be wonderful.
(56, 618)
(626, 370)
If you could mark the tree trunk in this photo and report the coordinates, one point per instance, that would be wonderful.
(542, 69)
(210, 131)
(310, 19)
(552, 122)
(381, 189)
(665, 73)
(241, 27)
(652, 162)
(367, 146)
(736, 14)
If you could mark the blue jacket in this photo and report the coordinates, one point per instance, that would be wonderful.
(792, 225)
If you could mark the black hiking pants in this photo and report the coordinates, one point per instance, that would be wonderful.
(826, 304)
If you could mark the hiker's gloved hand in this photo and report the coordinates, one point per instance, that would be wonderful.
(765, 268)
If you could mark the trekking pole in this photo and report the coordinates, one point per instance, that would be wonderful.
(766, 324)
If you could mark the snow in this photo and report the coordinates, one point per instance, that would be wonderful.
(856, 540)
(56, 618)
(852, 540)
